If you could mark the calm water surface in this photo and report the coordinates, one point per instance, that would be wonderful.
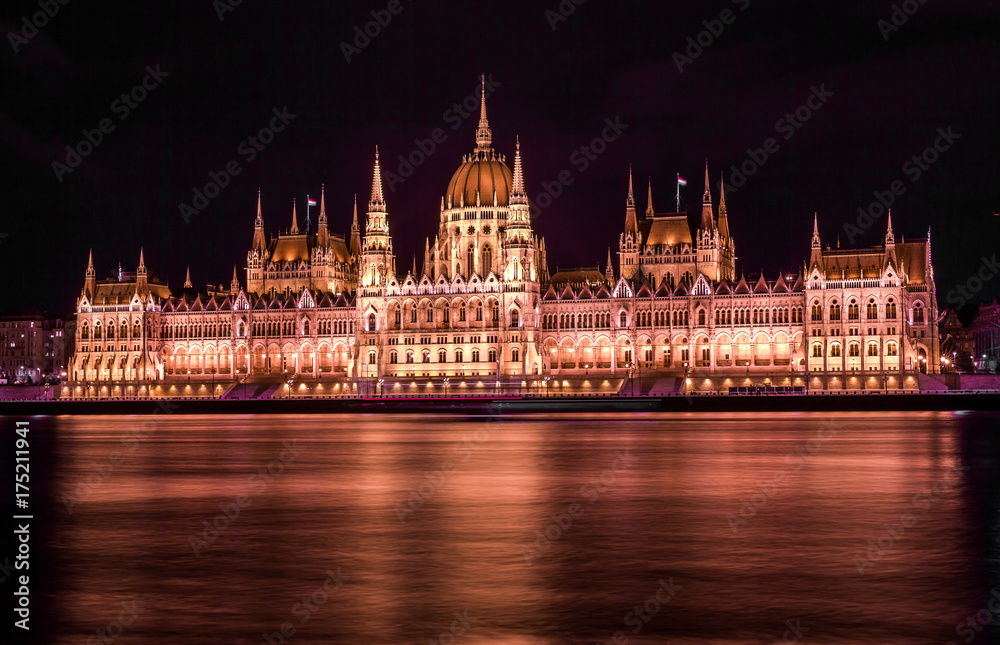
(853, 528)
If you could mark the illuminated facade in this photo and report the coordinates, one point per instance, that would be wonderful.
(483, 303)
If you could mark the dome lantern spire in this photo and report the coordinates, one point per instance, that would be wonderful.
(484, 137)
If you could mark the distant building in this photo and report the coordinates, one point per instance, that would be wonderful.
(34, 346)
(483, 304)
(957, 344)
(986, 335)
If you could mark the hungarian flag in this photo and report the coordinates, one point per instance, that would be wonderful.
(681, 181)
(311, 202)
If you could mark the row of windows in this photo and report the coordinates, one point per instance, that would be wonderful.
(109, 331)
(871, 311)
(854, 349)
(576, 321)
(425, 355)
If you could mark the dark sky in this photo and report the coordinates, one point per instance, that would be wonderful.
(890, 97)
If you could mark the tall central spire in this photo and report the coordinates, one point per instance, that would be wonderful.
(378, 199)
(484, 137)
(518, 194)
(295, 220)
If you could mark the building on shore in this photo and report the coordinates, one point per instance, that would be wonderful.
(482, 304)
(34, 346)
(986, 337)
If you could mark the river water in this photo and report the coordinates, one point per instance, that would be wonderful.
(683, 529)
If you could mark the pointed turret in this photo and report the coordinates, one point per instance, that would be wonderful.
(649, 200)
(140, 273)
(234, 286)
(295, 220)
(355, 232)
(90, 280)
(378, 261)
(816, 257)
(187, 279)
(723, 217)
(259, 242)
(377, 201)
(890, 239)
(484, 136)
(707, 217)
(609, 271)
(518, 196)
(322, 230)
(631, 223)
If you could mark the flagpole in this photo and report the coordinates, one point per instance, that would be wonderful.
(678, 193)
(308, 206)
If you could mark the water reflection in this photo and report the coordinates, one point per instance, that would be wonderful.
(537, 530)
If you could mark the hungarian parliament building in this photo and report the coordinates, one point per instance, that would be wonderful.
(315, 308)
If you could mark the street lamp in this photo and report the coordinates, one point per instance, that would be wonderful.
(446, 382)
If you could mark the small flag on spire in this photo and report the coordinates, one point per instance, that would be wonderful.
(681, 181)
(311, 201)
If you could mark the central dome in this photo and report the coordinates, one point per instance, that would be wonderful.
(484, 172)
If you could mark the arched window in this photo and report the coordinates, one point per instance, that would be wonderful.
(817, 312)
(701, 317)
(515, 318)
(853, 312)
(873, 349)
(475, 356)
(891, 349)
(918, 313)
(872, 310)
(393, 358)
(835, 310)
(305, 328)
(397, 316)
(430, 313)
(413, 314)
(493, 356)
(371, 322)
(487, 260)
(479, 313)
(409, 357)
(459, 356)
(371, 358)
(854, 349)
(622, 319)
(426, 356)
(442, 356)
(496, 313)
(461, 312)
(890, 309)
(515, 355)
(817, 350)
(835, 350)
(470, 257)
(446, 314)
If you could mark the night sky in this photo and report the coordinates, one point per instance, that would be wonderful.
(887, 93)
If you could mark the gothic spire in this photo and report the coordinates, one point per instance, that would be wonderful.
(707, 199)
(707, 216)
(815, 240)
(649, 199)
(90, 263)
(723, 216)
(378, 199)
(484, 137)
(889, 237)
(322, 231)
(234, 286)
(630, 202)
(518, 195)
(142, 261)
(187, 279)
(295, 220)
(260, 218)
(355, 231)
